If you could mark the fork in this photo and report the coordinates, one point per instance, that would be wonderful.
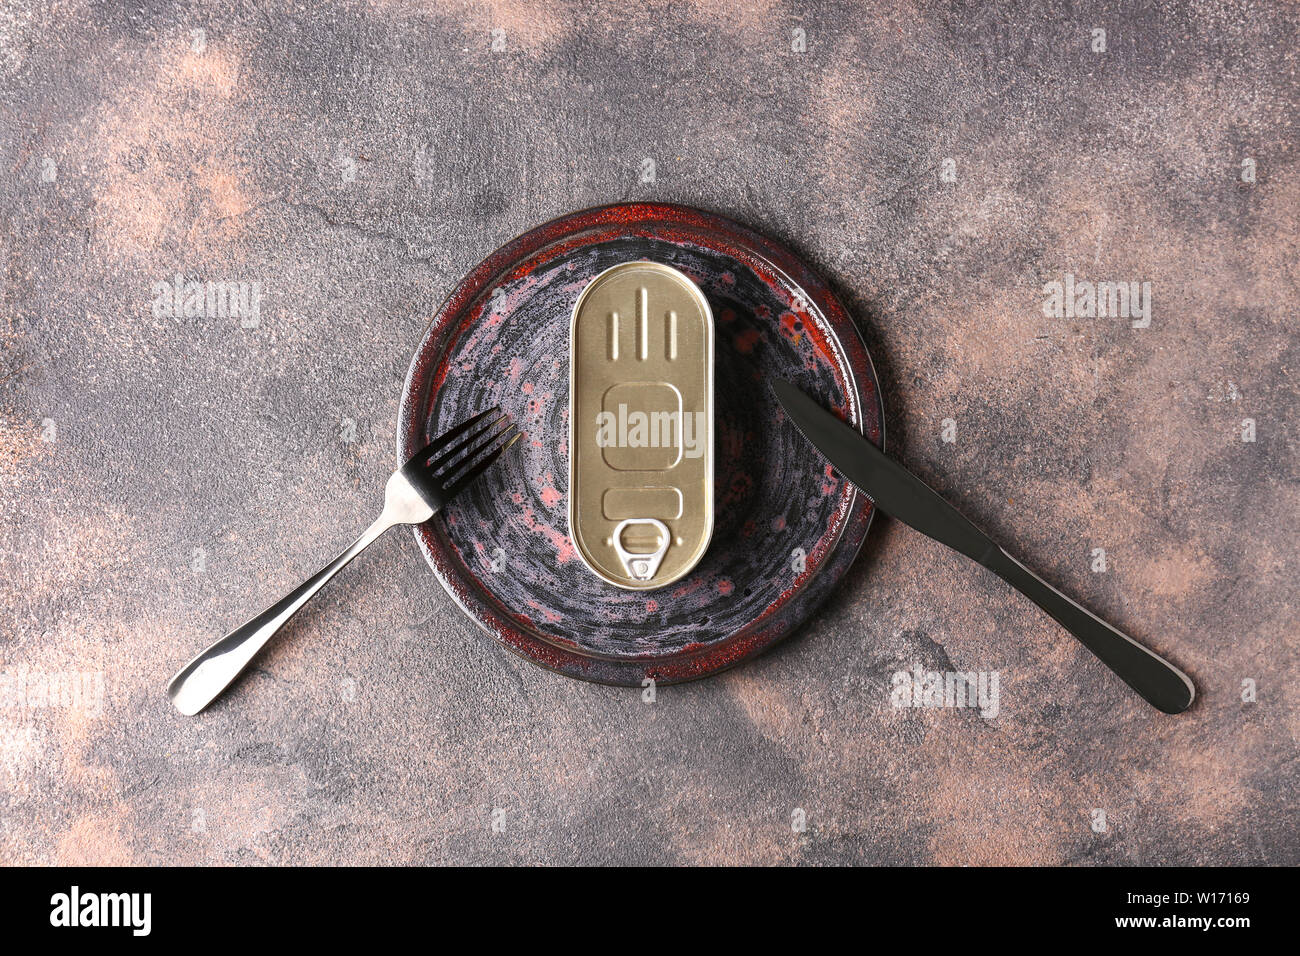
(414, 494)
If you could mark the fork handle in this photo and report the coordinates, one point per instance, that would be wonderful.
(202, 680)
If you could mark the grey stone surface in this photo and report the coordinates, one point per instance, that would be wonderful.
(199, 468)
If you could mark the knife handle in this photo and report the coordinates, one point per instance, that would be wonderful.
(1159, 682)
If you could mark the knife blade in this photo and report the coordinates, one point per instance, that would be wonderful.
(899, 493)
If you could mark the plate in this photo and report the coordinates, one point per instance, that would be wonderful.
(786, 527)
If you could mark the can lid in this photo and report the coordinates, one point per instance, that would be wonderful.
(641, 425)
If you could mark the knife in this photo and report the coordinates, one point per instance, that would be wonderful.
(898, 492)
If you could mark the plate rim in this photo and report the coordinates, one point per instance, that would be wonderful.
(634, 670)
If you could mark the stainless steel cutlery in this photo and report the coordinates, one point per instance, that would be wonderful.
(444, 467)
(415, 492)
(897, 492)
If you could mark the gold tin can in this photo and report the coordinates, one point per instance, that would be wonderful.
(641, 425)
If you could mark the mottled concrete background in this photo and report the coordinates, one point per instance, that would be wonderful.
(163, 478)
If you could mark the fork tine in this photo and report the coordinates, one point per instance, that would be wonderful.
(481, 467)
(455, 468)
(490, 426)
(442, 440)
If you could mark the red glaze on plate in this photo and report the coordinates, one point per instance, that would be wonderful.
(786, 528)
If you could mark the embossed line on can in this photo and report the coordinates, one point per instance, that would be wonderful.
(641, 425)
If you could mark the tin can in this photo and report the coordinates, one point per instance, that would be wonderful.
(641, 425)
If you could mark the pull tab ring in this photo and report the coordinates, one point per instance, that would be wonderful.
(641, 567)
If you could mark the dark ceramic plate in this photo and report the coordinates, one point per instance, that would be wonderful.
(786, 528)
